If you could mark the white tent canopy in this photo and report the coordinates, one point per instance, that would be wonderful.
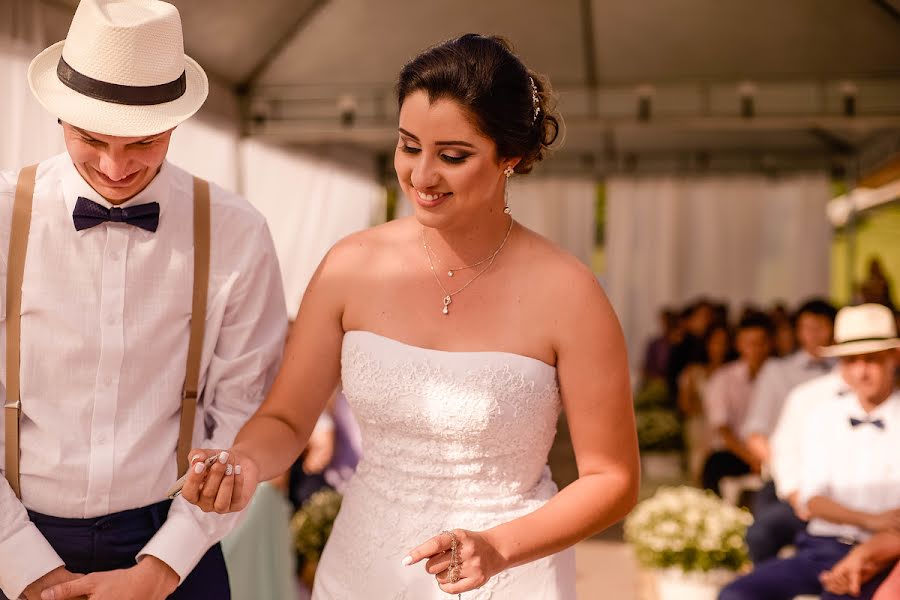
(297, 65)
(302, 116)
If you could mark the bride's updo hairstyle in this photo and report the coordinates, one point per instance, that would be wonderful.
(507, 103)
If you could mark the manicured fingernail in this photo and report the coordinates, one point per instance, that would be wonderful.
(223, 458)
(199, 468)
(407, 561)
(47, 595)
(229, 470)
(237, 469)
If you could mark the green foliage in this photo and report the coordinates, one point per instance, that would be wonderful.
(312, 523)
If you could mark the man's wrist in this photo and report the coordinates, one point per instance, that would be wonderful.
(165, 576)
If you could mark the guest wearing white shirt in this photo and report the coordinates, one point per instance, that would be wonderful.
(112, 286)
(727, 400)
(850, 481)
(774, 522)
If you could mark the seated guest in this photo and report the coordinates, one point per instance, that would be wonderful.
(851, 464)
(692, 385)
(727, 399)
(775, 523)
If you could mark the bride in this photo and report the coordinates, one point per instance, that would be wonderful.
(458, 336)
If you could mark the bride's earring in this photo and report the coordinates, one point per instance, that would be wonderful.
(508, 171)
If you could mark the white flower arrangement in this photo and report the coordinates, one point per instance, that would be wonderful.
(689, 529)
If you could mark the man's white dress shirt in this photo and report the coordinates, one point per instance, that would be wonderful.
(786, 441)
(777, 377)
(105, 328)
(857, 467)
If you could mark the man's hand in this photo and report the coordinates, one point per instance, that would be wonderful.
(888, 520)
(54, 577)
(150, 579)
(850, 573)
(319, 450)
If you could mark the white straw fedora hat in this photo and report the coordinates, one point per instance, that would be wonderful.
(863, 329)
(121, 70)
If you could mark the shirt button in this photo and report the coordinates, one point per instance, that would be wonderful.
(101, 439)
(114, 256)
(111, 320)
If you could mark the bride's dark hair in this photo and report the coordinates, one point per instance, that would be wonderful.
(487, 79)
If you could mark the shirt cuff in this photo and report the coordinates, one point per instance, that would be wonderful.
(25, 557)
(183, 539)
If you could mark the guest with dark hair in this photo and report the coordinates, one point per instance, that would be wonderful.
(696, 319)
(656, 355)
(692, 386)
(728, 399)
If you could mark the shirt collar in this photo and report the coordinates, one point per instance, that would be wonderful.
(807, 361)
(880, 411)
(74, 186)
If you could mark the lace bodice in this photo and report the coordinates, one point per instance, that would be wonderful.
(450, 439)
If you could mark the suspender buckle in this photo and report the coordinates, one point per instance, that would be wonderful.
(189, 395)
(17, 405)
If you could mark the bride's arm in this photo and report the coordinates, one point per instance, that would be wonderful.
(269, 443)
(594, 382)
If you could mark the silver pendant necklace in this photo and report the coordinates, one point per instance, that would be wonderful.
(448, 296)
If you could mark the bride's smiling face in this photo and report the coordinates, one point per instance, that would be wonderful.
(446, 167)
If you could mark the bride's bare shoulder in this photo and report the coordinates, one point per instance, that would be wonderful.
(371, 246)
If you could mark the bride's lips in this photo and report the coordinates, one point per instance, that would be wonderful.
(431, 200)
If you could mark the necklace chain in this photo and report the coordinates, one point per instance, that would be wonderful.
(448, 296)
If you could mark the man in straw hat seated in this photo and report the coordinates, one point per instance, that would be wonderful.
(143, 313)
(850, 485)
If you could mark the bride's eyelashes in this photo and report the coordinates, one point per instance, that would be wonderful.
(448, 158)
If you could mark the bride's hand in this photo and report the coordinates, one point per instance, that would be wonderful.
(478, 560)
(225, 486)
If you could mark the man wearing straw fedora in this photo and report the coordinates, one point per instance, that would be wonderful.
(142, 314)
(850, 484)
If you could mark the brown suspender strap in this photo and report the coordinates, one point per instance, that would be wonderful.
(18, 246)
(198, 322)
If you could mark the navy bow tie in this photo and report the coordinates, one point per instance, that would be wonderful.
(820, 365)
(88, 213)
(854, 422)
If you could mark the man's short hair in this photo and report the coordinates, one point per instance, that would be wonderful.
(757, 320)
(819, 307)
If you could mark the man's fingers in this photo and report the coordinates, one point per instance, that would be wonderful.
(68, 590)
(855, 582)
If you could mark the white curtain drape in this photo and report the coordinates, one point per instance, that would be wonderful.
(30, 134)
(310, 202)
(208, 149)
(740, 238)
(561, 209)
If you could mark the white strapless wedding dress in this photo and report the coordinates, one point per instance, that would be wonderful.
(450, 440)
